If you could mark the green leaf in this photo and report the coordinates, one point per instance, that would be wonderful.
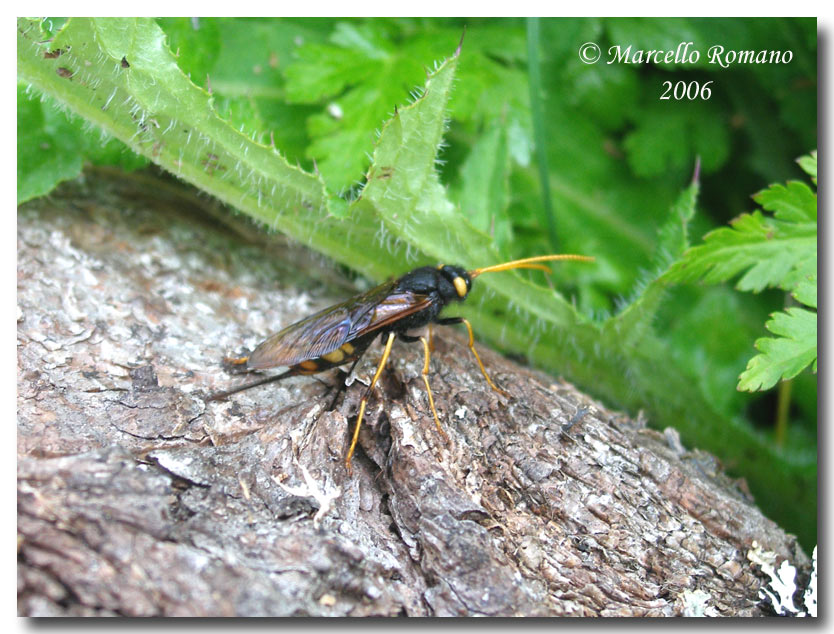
(709, 331)
(197, 45)
(696, 129)
(794, 203)
(320, 74)
(363, 79)
(778, 251)
(52, 146)
(484, 194)
(767, 250)
(809, 165)
(634, 321)
(802, 281)
(118, 74)
(366, 69)
(785, 356)
(45, 149)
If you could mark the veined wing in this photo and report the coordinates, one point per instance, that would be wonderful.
(328, 329)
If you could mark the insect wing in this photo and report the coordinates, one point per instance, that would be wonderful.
(328, 329)
(394, 307)
(306, 339)
(317, 334)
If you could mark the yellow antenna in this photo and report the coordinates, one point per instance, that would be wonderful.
(530, 263)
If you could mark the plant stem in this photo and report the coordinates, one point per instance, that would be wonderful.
(537, 114)
(782, 409)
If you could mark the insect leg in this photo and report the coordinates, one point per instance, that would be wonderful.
(363, 403)
(341, 386)
(460, 320)
(428, 388)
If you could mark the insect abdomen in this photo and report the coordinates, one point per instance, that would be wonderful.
(346, 353)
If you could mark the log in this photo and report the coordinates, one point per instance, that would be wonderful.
(137, 497)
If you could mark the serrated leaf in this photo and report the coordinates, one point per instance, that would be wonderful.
(362, 72)
(785, 356)
(771, 251)
(118, 74)
(809, 165)
(802, 281)
(243, 60)
(635, 320)
(365, 79)
(673, 237)
(794, 203)
(197, 45)
(765, 249)
(321, 74)
(806, 291)
(778, 251)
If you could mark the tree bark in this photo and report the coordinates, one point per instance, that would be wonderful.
(137, 497)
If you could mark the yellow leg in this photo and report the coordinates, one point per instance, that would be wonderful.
(426, 347)
(478, 359)
(363, 403)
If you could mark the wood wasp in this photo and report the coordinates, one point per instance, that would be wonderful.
(342, 333)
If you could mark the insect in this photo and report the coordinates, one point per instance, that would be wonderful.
(342, 333)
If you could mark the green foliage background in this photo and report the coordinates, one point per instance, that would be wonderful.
(394, 157)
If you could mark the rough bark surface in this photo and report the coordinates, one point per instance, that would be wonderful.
(136, 497)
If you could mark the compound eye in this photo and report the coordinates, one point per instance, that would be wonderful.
(460, 286)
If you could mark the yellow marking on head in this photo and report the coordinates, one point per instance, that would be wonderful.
(309, 365)
(460, 286)
(348, 348)
(334, 357)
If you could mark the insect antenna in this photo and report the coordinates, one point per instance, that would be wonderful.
(219, 396)
(530, 263)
